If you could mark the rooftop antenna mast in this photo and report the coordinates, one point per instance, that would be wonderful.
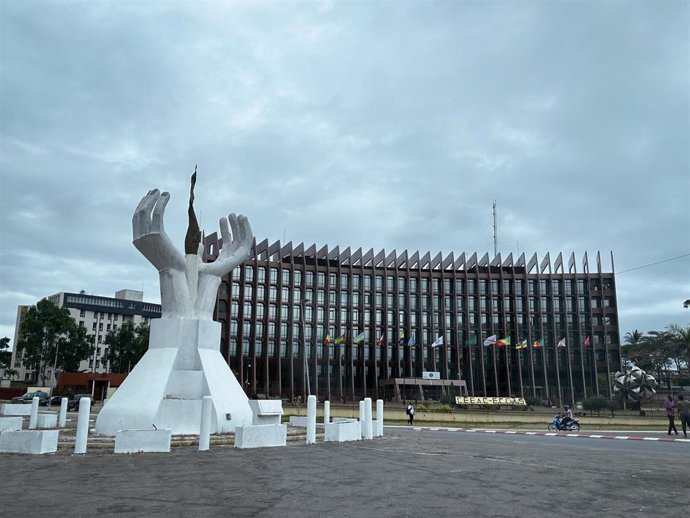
(495, 241)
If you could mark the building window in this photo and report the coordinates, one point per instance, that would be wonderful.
(248, 273)
(261, 274)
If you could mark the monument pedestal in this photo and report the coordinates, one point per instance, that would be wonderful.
(183, 364)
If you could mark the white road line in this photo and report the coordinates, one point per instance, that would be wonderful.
(650, 438)
(551, 434)
(621, 437)
(596, 436)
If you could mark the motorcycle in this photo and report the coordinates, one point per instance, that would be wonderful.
(557, 426)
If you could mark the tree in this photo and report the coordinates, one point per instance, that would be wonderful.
(5, 353)
(50, 337)
(126, 346)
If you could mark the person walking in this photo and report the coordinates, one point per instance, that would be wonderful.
(683, 408)
(670, 405)
(410, 414)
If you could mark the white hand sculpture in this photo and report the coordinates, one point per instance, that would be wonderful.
(188, 285)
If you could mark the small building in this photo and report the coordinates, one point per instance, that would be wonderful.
(99, 385)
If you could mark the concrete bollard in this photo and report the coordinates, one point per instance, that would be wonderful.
(361, 417)
(205, 428)
(326, 412)
(368, 428)
(82, 425)
(379, 418)
(62, 418)
(311, 419)
(33, 419)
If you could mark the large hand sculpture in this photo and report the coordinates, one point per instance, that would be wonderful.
(188, 285)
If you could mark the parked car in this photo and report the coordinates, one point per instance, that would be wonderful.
(29, 396)
(73, 404)
(56, 400)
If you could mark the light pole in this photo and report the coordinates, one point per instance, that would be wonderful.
(304, 346)
(246, 378)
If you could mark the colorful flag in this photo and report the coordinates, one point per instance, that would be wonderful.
(359, 338)
(538, 344)
(561, 342)
(327, 340)
(522, 344)
(471, 341)
(339, 340)
(587, 341)
(503, 341)
(438, 341)
(411, 342)
(381, 341)
(490, 341)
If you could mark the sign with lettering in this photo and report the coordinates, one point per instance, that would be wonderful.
(463, 400)
(430, 375)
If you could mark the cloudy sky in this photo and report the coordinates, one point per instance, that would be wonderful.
(385, 125)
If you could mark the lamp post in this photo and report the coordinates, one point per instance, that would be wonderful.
(246, 377)
(304, 346)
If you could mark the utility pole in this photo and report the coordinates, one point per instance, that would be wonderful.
(495, 230)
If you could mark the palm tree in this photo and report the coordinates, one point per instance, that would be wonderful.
(632, 342)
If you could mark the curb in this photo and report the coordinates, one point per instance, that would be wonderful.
(551, 434)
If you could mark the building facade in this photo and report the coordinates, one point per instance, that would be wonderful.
(99, 315)
(508, 327)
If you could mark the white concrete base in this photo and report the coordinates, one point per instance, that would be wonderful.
(47, 420)
(32, 442)
(183, 364)
(261, 436)
(266, 411)
(298, 420)
(142, 441)
(343, 431)
(10, 424)
(16, 409)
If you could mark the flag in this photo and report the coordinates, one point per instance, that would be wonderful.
(561, 342)
(522, 344)
(471, 341)
(503, 341)
(538, 344)
(327, 340)
(410, 342)
(401, 340)
(437, 342)
(359, 338)
(381, 341)
(587, 341)
(339, 340)
(490, 341)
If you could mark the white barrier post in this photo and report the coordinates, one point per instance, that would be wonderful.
(311, 419)
(33, 419)
(82, 425)
(379, 418)
(361, 417)
(326, 412)
(62, 419)
(368, 430)
(205, 429)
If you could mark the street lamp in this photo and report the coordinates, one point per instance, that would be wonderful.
(304, 345)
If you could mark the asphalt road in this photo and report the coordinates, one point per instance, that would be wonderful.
(405, 473)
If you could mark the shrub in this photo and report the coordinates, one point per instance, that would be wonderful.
(447, 400)
(421, 407)
(597, 404)
(445, 409)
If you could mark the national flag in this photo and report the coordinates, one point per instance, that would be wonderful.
(411, 341)
(522, 344)
(339, 340)
(503, 341)
(538, 344)
(327, 340)
(561, 342)
(401, 340)
(587, 341)
(359, 338)
(381, 341)
(437, 342)
(490, 341)
(471, 341)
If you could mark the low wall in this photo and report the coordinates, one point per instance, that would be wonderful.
(261, 436)
(32, 442)
(142, 441)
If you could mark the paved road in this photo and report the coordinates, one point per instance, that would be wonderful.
(406, 473)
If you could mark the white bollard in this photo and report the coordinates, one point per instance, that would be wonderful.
(379, 418)
(311, 419)
(62, 419)
(326, 412)
(33, 419)
(368, 429)
(205, 428)
(82, 425)
(361, 417)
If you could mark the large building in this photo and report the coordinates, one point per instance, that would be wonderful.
(99, 315)
(554, 327)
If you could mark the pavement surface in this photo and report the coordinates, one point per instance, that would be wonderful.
(407, 472)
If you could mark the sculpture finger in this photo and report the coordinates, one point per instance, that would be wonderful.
(246, 234)
(232, 218)
(159, 212)
(225, 234)
(141, 220)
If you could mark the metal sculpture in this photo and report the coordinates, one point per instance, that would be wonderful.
(635, 383)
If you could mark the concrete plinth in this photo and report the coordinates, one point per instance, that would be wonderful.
(266, 411)
(298, 420)
(31, 442)
(46, 420)
(16, 409)
(10, 424)
(261, 436)
(142, 441)
(342, 431)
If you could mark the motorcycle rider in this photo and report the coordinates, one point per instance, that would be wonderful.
(566, 418)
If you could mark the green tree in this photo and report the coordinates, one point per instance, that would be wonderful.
(50, 337)
(5, 353)
(126, 346)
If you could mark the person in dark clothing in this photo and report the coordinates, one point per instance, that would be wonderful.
(683, 408)
(671, 414)
(410, 414)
